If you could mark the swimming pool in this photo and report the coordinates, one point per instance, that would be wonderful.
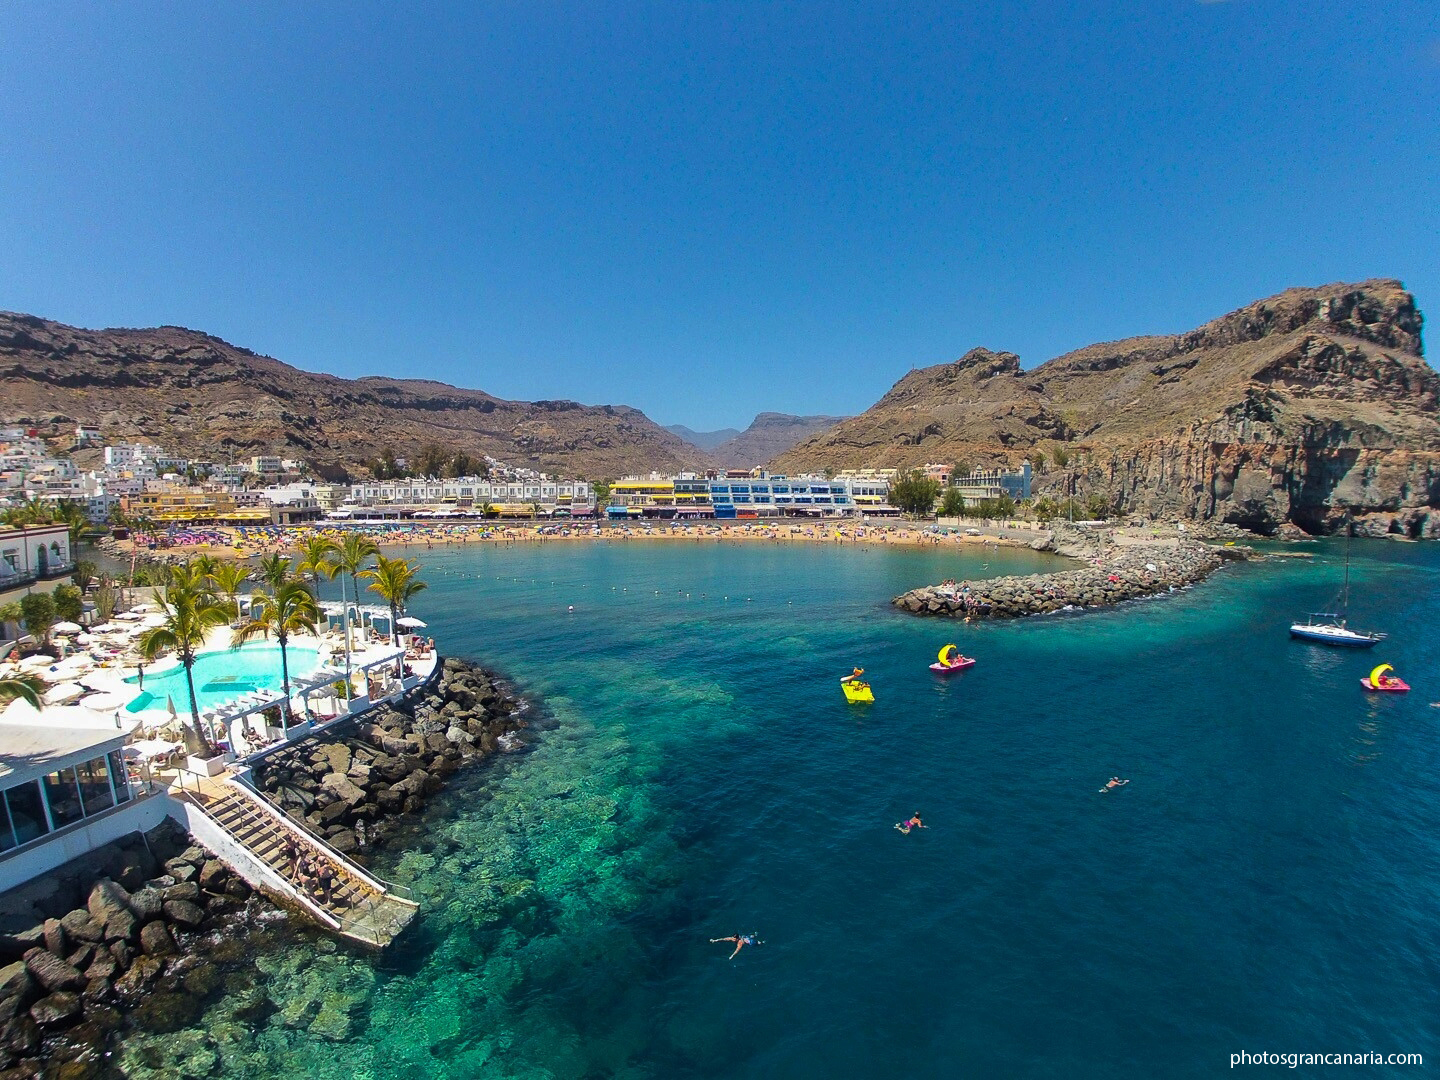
(223, 675)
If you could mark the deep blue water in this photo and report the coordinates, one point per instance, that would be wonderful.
(1269, 880)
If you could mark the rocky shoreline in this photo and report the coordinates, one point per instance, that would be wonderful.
(132, 941)
(1118, 571)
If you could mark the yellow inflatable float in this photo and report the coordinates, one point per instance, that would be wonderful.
(856, 690)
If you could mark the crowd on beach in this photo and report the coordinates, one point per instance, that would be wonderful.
(251, 541)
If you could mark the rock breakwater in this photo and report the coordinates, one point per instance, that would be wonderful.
(1117, 571)
(132, 949)
(354, 788)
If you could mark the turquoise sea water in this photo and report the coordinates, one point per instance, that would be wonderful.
(223, 675)
(1268, 881)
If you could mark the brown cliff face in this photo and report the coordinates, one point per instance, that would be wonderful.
(1305, 407)
(197, 395)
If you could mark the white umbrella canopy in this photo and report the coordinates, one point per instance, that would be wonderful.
(104, 702)
(129, 616)
(63, 692)
(67, 628)
(37, 662)
(72, 666)
(410, 621)
(152, 620)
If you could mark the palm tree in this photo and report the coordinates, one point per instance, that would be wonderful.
(485, 509)
(274, 570)
(72, 515)
(189, 614)
(315, 553)
(291, 610)
(351, 555)
(205, 565)
(227, 579)
(395, 581)
(26, 687)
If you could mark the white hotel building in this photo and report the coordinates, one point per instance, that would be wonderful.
(466, 494)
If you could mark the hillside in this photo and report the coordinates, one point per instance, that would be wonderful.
(203, 397)
(769, 435)
(1298, 408)
(705, 440)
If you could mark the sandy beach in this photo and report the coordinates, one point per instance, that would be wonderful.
(244, 543)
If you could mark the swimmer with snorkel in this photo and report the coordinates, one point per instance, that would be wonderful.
(740, 940)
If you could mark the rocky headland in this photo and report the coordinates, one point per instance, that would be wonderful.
(116, 956)
(1313, 408)
(1118, 568)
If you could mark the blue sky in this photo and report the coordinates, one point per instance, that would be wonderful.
(704, 209)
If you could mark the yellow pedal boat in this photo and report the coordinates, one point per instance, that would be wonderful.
(856, 692)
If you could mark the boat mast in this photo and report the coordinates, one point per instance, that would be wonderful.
(1345, 593)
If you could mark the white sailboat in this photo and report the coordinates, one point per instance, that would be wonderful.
(1329, 627)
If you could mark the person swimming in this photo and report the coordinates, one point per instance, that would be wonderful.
(740, 940)
(913, 823)
(1112, 784)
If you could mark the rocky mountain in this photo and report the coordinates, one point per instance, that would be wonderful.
(768, 436)
(705, 440)
(1305, 408)
(200, 396)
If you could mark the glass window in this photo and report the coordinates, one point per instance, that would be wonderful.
(63, 797)
(95, 786)
(26, 811)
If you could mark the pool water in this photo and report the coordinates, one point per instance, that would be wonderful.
(223, 675)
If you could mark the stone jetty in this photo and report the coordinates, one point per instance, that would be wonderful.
(1118, 567)
(354, 788)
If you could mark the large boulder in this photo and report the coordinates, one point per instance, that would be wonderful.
(146, 904)
(55, 1008)
(343, 788)
(135, 981)
(80, 925)
(212, 876)
(53, 973)
(56, 940)
(183, 912)
(109, 901)
(155, 939)
(337, 755)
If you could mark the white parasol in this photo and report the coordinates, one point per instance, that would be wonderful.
(63, 692)
(104, 702)
(67, 628)
(410, 621)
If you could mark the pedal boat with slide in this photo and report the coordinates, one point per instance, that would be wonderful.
(1378, 681)
(951, 660)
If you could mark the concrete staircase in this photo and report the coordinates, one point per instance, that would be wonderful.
(359, 906)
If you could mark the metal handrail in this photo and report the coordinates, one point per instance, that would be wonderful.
(280, 817)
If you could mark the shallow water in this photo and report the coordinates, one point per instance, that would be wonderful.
(1267, 881)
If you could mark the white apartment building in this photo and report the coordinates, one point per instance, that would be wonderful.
(471, 491)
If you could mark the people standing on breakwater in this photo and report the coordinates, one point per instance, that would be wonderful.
(740, 940)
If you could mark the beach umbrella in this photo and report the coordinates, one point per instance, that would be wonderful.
(153, 620)
(72, 666)
(410, 621)
(104, 702)
(67, 628)
(128, 615)
(63, 692)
